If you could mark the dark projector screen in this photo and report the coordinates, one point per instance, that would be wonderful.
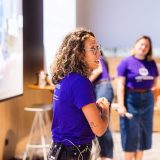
(11, 49)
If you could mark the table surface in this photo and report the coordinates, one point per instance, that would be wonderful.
(47, 87)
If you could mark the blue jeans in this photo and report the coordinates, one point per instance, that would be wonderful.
(105, 89)
(136, 134)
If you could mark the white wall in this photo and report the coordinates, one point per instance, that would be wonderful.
(59, 18)
(118, 23)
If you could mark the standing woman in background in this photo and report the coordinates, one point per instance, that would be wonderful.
(103, 88)
(137, 75)
(76, 116)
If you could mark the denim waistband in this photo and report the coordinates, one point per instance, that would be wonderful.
(138, 90)
(102, 81)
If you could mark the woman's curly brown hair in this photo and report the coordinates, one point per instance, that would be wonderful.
(70, 56)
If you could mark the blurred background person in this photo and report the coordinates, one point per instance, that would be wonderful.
(137, 75)
(103, 88)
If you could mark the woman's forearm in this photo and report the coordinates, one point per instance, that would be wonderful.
(120, 95)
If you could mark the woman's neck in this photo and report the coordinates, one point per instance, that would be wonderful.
(139, 57)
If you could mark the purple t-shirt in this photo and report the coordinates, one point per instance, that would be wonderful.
(69, 122)
(104, 75)
(139, 74)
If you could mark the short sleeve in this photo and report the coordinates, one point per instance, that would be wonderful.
(82, 92)
(155, 69)
(122, 68)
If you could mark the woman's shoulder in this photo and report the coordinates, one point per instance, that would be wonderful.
(153, 62)
(77, 80)
(74, 76)
(126, 59)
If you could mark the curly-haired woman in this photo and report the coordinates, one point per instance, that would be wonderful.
(77, 117)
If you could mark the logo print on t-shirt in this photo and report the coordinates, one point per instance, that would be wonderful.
(143, 71)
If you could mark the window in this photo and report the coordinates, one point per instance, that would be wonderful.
(11, 48)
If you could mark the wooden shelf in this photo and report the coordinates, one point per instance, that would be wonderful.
(47, 87)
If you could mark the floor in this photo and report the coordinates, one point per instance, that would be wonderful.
(152, 154)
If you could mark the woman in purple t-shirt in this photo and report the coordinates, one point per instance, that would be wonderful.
(137, 75)
(103, 88)
(76, 117)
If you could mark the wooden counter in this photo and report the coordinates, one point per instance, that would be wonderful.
(47, 87)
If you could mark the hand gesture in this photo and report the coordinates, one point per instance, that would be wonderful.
(103, 105)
